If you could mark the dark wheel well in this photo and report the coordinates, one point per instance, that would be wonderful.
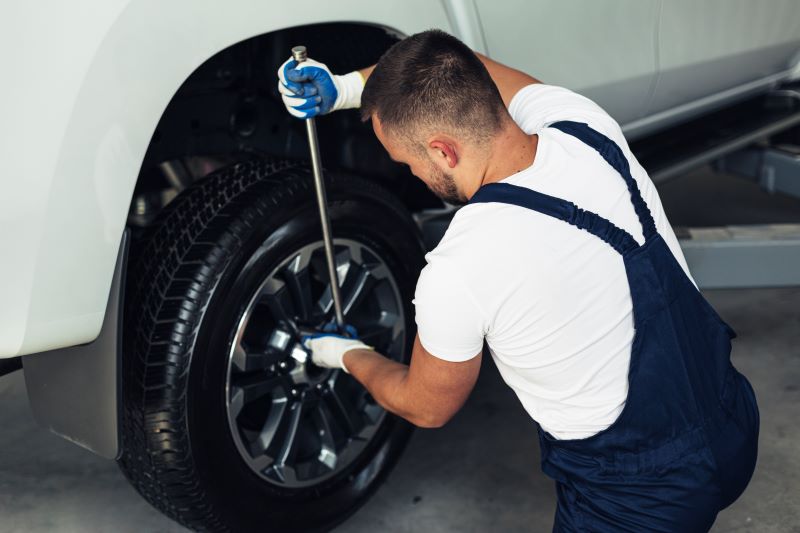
(229, 110)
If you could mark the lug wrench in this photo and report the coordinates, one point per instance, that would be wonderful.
(300, 54)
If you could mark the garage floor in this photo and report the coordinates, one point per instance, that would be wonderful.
(480, 472)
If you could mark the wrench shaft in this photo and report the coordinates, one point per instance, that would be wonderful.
(325, 220)
(300, 54)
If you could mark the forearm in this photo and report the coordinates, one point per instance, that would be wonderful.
(508, 80)
(388, 382)
(365, 72)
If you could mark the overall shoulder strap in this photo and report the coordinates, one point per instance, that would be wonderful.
(612, 153)
(507, 193)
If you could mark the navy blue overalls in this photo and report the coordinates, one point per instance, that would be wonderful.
(685, 444)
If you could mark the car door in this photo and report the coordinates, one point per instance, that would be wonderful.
(718, 49)
(603, 49)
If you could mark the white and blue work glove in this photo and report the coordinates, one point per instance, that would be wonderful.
(309, 89)
(328, 349)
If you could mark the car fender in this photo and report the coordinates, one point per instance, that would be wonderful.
(87, 95)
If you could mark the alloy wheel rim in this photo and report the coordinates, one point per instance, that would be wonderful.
(293, 423)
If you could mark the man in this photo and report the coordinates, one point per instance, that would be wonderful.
(564, 263)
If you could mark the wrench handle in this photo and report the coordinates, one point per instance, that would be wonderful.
(300, 54)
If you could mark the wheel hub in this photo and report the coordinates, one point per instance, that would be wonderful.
(296, 424)
(303, 370)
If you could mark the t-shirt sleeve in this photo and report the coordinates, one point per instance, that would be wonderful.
(449, 323)
(537, 105)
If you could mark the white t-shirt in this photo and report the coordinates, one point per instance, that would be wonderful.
(551, 300)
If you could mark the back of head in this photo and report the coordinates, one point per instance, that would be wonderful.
(432, 81)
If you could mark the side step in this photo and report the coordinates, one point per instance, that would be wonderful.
(675, 151)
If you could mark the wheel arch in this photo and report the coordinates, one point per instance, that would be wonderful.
(229, 108)
(148, 52)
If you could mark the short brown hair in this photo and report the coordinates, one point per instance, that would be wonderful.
(431, 79)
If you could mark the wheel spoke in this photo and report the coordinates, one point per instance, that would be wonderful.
(339, 406)
(284, 473)
(269, 430)
(256, 386)
(378, 271)
(239, 357)
(279, 299)
(288, 448)
(298, 279)
(260, 463)
(357, 289)
(247, 361)
(344, 267)
(235, 404)
(327, 454)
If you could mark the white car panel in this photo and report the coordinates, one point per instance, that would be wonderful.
(86, 83)
(89, 86)
(47, 48)
(604, 49)
(712, 46)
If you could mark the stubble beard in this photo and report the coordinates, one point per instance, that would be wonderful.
(443, 185)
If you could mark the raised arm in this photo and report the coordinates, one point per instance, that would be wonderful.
(312, 89)
(508, 80)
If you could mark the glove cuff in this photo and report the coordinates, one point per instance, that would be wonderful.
(350, 87)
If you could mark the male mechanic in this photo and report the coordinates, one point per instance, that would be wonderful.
(563, 261)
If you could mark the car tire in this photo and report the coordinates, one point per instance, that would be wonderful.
(198, 280)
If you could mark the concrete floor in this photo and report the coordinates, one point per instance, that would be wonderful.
(479, 473)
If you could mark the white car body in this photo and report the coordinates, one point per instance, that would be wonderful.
(85, 84)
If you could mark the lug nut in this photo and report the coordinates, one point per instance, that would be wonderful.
(283, 365)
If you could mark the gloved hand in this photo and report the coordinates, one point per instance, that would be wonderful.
(328, 349)
(309, 89)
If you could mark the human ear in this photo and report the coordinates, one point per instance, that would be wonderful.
(444, 151)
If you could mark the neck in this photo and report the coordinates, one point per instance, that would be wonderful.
(511, 151)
